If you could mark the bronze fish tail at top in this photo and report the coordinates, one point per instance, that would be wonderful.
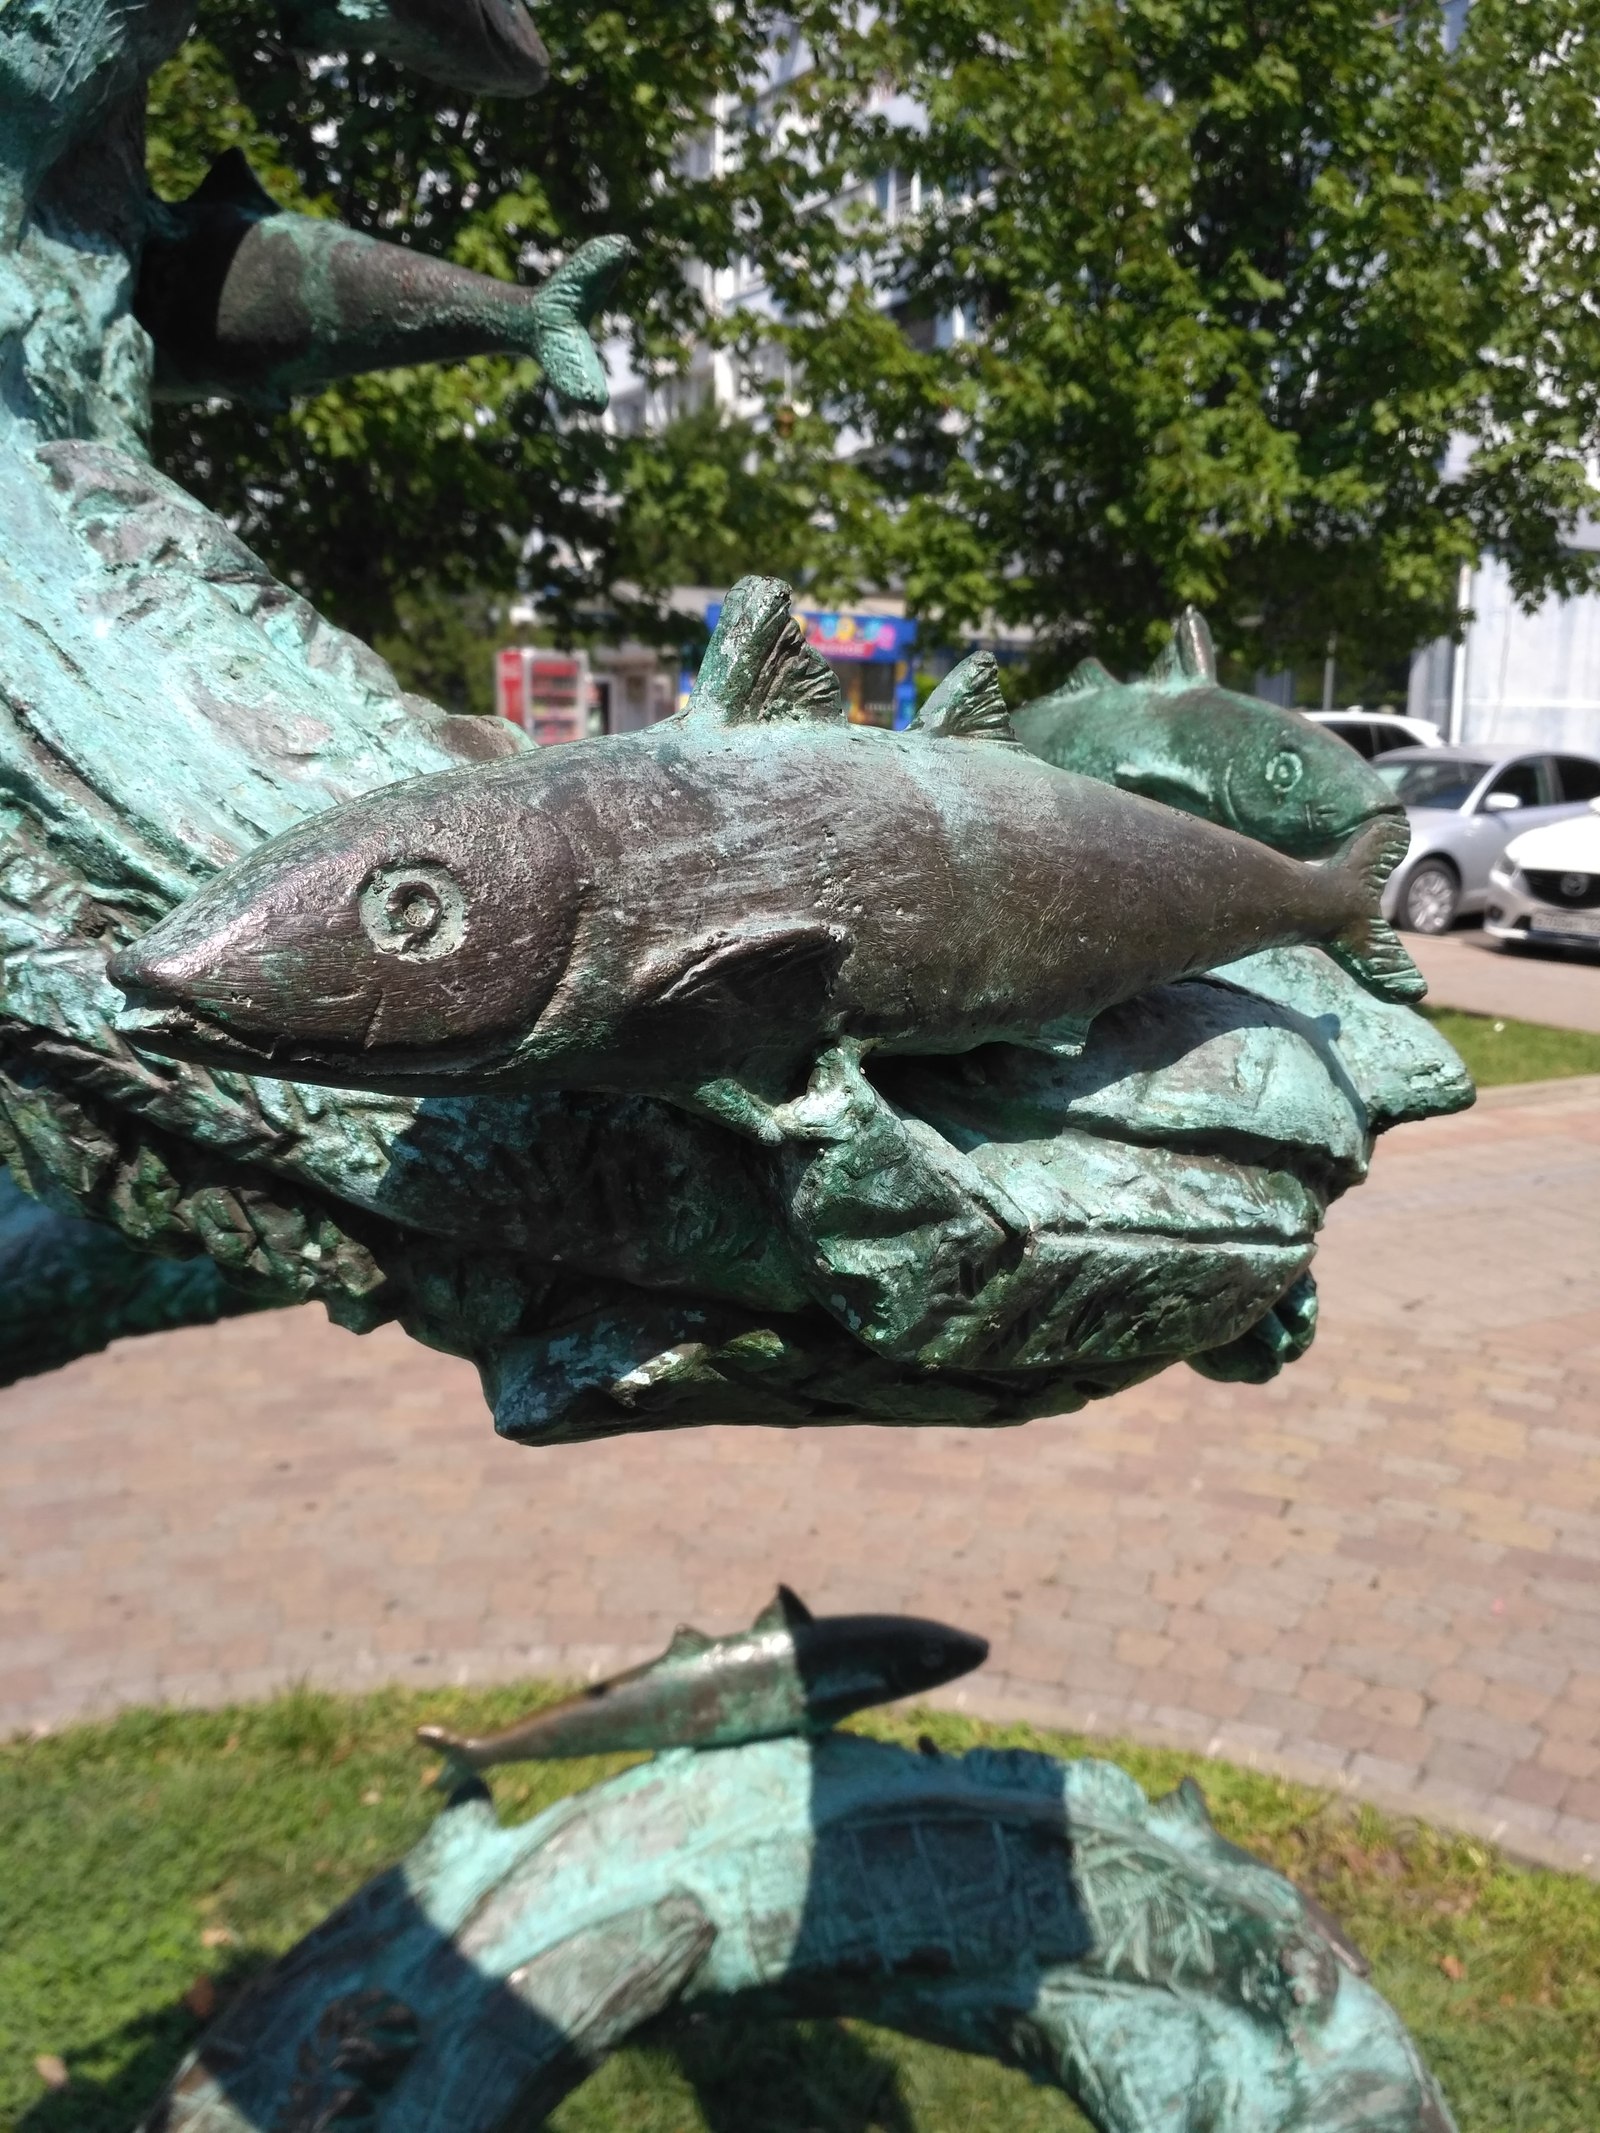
(699, 911)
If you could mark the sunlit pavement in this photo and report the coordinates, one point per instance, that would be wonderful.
(1381, 1572)
(1554, 985)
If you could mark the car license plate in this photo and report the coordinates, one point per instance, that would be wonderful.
(1584, 924)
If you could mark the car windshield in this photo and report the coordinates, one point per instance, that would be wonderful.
(1431, 784)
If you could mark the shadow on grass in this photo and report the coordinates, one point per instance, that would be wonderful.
(784, 2077)
(142, 2055)
(746, 2077)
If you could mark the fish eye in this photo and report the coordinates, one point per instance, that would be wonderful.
(1285, 770)
(417, 911)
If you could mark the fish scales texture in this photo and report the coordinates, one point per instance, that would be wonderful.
(1017, 898)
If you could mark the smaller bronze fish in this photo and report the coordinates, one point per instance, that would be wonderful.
(249, 301)
(787, 1673)
(1179, 737)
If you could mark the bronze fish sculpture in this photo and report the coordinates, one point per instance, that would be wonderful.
(790, 1672)
(702, 910)
(246, 300)
(1179, 736)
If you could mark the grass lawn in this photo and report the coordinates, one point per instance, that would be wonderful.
(1496, 1050)
(151, 1863)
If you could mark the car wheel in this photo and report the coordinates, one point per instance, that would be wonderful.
(1430, 898)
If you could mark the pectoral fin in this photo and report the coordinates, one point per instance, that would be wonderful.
(754, 998)
(729, 1103)
(780, 973)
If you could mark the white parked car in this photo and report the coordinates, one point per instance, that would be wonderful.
(1545, 886)
(1373, 733)
(1464, 805)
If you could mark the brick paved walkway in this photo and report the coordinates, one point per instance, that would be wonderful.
(1383, 1571)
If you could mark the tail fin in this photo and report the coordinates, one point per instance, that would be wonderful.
(1368, 947)
(560, 315)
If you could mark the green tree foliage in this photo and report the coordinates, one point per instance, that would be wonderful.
(1283, 308)
(386, 498)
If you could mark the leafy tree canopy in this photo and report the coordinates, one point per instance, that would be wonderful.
(385, 497)
(1284, 308)
(1287, 308)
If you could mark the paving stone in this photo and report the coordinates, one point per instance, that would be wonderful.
(1383, 1568)
(1537, 1784)
(1390, 1707)
(1571, 1758)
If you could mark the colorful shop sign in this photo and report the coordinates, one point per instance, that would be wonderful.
(835, 636)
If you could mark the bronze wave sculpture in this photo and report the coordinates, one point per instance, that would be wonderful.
(1009, 1207)
(1132, 1174)
(1045, 1914)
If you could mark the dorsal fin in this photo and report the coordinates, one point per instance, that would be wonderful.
(758, 666)
(785, 1610)
(967, 705)
(686, 1642)
(1191, 656)
(1087, 677)
(230, 182)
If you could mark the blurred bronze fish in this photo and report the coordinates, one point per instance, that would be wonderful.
(790, 1672)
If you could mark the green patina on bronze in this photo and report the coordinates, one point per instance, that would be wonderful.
(249, 303)
(925, 1235)
(1178, 736)
(1043, 1913)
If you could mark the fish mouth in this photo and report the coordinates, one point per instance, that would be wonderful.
(182, 1033)
(195, 1038)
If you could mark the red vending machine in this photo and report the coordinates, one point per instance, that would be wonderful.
(548, 694)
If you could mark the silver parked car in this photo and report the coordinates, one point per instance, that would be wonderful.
(1464, 806)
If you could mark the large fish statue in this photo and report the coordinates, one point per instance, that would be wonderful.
(1179, 736)
(790, 1672)
(704, 909)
